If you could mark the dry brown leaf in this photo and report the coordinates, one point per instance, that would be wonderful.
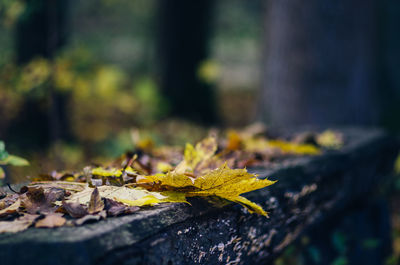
(36, 200)
(18, 225)
(96, 204)
(91, 218)
(51, 220)
(114, 208)
(75, 209)
(12, 209)
(129, 196)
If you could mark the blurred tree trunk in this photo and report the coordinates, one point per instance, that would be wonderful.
(40, 32)
(389, 63)
(320, 63)
(184, 29)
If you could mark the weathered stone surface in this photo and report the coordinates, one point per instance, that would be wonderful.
(310, 189)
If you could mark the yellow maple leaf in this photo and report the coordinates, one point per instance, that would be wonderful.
(224, 182)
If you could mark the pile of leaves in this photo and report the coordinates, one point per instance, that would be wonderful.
(153, 175)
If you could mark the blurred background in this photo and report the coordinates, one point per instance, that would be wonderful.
(77, 78)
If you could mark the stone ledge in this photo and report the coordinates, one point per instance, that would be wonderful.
(309, 190)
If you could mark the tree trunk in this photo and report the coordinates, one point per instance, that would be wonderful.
(320, 63)
(40, 32)
(389, 63)
(183, 44)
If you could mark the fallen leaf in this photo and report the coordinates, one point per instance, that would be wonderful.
(193, 156)
(95, 204)
(114, 208)
(51, 220)
(65, 185)
(3, 193)
(18, 224)
(263, 145)
(91, 218)
(75, 209)
(107, 172)
(223, 182)
(35, 200)
(143, 201)
(234, 141)
(330, 139)
(10, 210)
(129, 196)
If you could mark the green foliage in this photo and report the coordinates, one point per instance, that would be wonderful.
(11, 10)
(7, 159)
(341, 260)
(371, 243)
(152, 105)
(339, 242)
(315, 254)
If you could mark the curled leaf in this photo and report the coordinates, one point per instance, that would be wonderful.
(10, 210)
(95, 204)
(114, 208)
(75, 209)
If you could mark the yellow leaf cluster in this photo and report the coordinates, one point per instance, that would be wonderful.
(294, 148)
(196, 157)
(330, 139)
